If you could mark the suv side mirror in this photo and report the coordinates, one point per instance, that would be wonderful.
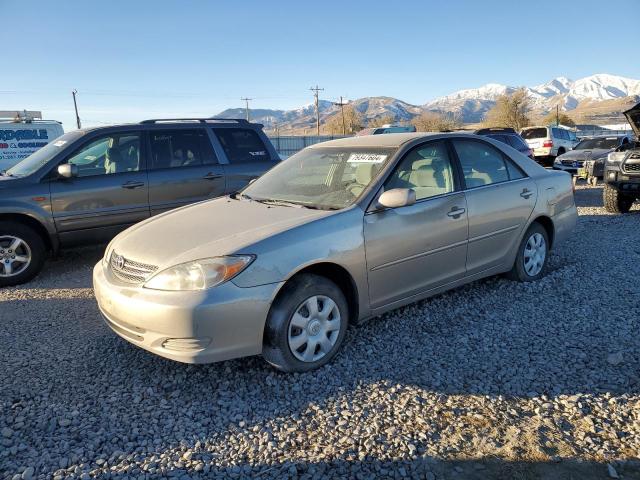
(397, 197)
(68, 170)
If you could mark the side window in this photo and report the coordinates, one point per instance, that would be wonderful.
(242, 145)
(115, 153)
(481, 163)
(427, 169)
(514, 171)
(180, 148)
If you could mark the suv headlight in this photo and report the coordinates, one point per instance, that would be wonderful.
(199, 274)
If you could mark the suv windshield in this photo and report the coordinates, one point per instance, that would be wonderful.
(327, 178)
(591, 143)
(534, 133)
(39, 158)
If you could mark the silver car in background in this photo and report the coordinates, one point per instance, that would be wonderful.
(338, 233)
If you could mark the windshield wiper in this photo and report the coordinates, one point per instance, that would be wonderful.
(282, 203)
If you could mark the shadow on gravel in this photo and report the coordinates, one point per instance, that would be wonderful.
(493, 468)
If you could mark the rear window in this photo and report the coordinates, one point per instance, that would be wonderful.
(516, 142)
(531, 133)
(242, 145)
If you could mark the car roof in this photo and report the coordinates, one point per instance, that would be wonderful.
(386, 140)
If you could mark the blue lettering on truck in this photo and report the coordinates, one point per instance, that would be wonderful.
(19, 135)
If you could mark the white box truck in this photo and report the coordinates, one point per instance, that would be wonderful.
(22, 133)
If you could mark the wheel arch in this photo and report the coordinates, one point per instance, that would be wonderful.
(338, 275)
(28, 220)
(549, 227)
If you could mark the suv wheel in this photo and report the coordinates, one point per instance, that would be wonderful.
(306, 324)
(533, 253)
(614, 201)
(22, 253)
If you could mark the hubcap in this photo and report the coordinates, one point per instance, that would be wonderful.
(535, 252)
(15, 256)
(314, 328)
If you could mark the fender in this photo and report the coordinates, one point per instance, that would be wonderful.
(15, 208)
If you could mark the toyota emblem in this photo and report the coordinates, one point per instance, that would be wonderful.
(120, 262)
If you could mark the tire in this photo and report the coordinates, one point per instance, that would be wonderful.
(30, 246)
(521, 270)
(614, 201)
(282, 333)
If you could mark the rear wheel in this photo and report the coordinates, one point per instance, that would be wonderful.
(306, 324)
(22, 253)
(533, 253)
(614, 201)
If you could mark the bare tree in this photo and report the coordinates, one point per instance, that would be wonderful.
(510, 110)
(562, 118)
(352, 119)
(380, 121)
(436, 122)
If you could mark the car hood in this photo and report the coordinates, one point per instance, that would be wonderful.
(586, 154)
(217, 227)
(633, 116)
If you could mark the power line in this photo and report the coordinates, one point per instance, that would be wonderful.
(317, 89)
(342, 104)
(246, 100)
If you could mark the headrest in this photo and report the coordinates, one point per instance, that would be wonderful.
(114, 155)
(365, 172)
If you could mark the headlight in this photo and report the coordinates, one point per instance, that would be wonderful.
(199, 274)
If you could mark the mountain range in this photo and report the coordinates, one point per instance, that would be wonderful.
(597, 98)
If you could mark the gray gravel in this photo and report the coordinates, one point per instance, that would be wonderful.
(493, 380)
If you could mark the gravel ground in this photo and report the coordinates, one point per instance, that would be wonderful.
(493, 380)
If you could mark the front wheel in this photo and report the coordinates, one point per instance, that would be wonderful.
(22, 253)
(306, 324)
(533, 253)
(614, 201)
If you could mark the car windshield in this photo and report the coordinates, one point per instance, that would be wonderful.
(591, 143)
(327, 178)
(531, 133)
(39, 158)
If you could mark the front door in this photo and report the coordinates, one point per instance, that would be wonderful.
(500, 199)
(183, 169)
(416, 248)
(108, 194)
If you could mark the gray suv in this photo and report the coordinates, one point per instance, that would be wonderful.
(90, 184)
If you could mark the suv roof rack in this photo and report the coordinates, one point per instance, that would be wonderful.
(483, 131)
(240, 121)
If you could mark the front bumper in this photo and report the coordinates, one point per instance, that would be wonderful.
(192, 327)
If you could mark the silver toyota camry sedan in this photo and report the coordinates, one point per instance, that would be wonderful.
(338, 233)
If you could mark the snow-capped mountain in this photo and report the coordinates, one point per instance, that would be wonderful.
(470, 104)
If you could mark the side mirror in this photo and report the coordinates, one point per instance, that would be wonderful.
(68, 170)
(397, 197)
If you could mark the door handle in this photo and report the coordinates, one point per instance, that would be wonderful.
(131, 185)
(526, 193)
(456, 212)
(212, 176)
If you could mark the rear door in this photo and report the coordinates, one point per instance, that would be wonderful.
(419, 247)
(247, 154)
(183, 168)
(500, 199)
(109, 193)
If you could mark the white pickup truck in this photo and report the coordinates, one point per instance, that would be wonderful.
(22, 133)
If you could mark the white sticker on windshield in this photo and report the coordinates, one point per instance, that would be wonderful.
(366, 158)
(59, 143)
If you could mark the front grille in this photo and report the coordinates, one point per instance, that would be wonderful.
(569, 163)
(632, 168)
(130, 271)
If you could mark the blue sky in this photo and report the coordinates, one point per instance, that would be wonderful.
(131, 60)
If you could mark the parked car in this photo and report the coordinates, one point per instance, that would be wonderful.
(508, 136)
(90, 184)
(386, 129)
(548, 142)
(592, 148)
(282, 270)
(622, 171)
(21, 135)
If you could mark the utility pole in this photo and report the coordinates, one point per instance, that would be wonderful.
(246, 100)
(344, 125)
(557, 115)
(317, 89)
(75, 105)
